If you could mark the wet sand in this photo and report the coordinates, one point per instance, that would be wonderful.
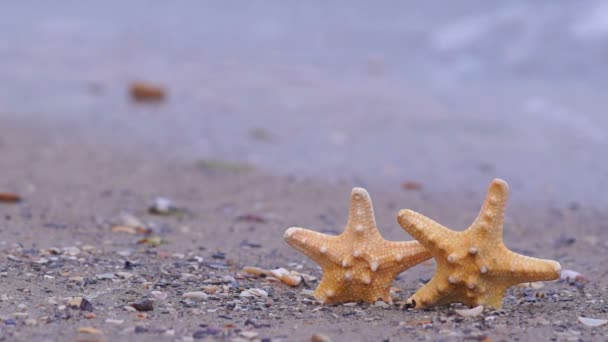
(74, 193)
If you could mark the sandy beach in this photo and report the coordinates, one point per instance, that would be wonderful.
(59, 243)
(267, 117)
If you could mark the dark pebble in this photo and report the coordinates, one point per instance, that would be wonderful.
(199, 334)
(10, 322)
(141, 330)
(85, 305)
(143, 305)
(219, 255)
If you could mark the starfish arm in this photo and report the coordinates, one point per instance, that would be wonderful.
(491, 216)
(402, 255)
(429, 233)
(314, 245)
(436, 291)
(361, 220)
(517, 269)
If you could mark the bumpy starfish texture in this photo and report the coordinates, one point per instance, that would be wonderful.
(358, 265)
(474, 266)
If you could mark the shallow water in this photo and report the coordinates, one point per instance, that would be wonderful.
(450, 97)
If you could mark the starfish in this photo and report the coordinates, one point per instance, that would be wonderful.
(474, 266)
(358, 265)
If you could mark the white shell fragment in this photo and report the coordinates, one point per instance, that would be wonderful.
(592, 322)
(470, 312)
(198, 295)
(254, 292)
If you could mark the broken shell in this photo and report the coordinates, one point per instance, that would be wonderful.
(592, 322)
(198, 295)
(256, 271)
(470, 312)
(254, 292)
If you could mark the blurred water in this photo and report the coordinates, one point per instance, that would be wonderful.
(399, 90)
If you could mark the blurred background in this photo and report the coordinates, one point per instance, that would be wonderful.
(385, 93)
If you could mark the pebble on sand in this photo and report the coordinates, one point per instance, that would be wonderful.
(470, 312)
(592, 322)
(147, 92)
(198, 295)
(254, 292)
(90, 331)
(143, 305)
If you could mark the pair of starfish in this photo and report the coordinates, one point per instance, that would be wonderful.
(474, 266)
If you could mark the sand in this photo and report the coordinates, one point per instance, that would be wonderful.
(58, 243)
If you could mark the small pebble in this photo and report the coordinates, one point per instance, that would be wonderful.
(199, 295)
(143, 305)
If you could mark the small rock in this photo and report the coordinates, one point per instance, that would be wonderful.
(470, 312)
(72, 251)
(143, 305)
(250, 335)
(198, 295)
(254, 292)
(592, 322)
(89, 330)
(381, 304)
(320, 338)
(85, 305)
(124, 229)
(159, 295)
(146, 92)
(105, 276)
(162, 206)
(74, 302)
(256, 271)
(115, 321)
(124, 275)
(30, 322)
(9, 197)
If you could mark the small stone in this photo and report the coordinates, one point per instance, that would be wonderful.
(85, 305)
(147, 92)
(470, 312)
(143, 305)
(42, 261)
(30, 322)
(162, 206)
(320, 338)
(159, 295)
(124, 275)
(198, 295)
(115, 321)
(250, 335)
(592, 322)
(124, 229)
(254, 292)
(105, 276)
(256, 271)
(71, 251)
(129, 308)
(381, 304)
(74, 302)
(89, 330)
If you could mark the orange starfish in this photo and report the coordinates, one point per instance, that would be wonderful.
(358, 265)
(474, 266)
